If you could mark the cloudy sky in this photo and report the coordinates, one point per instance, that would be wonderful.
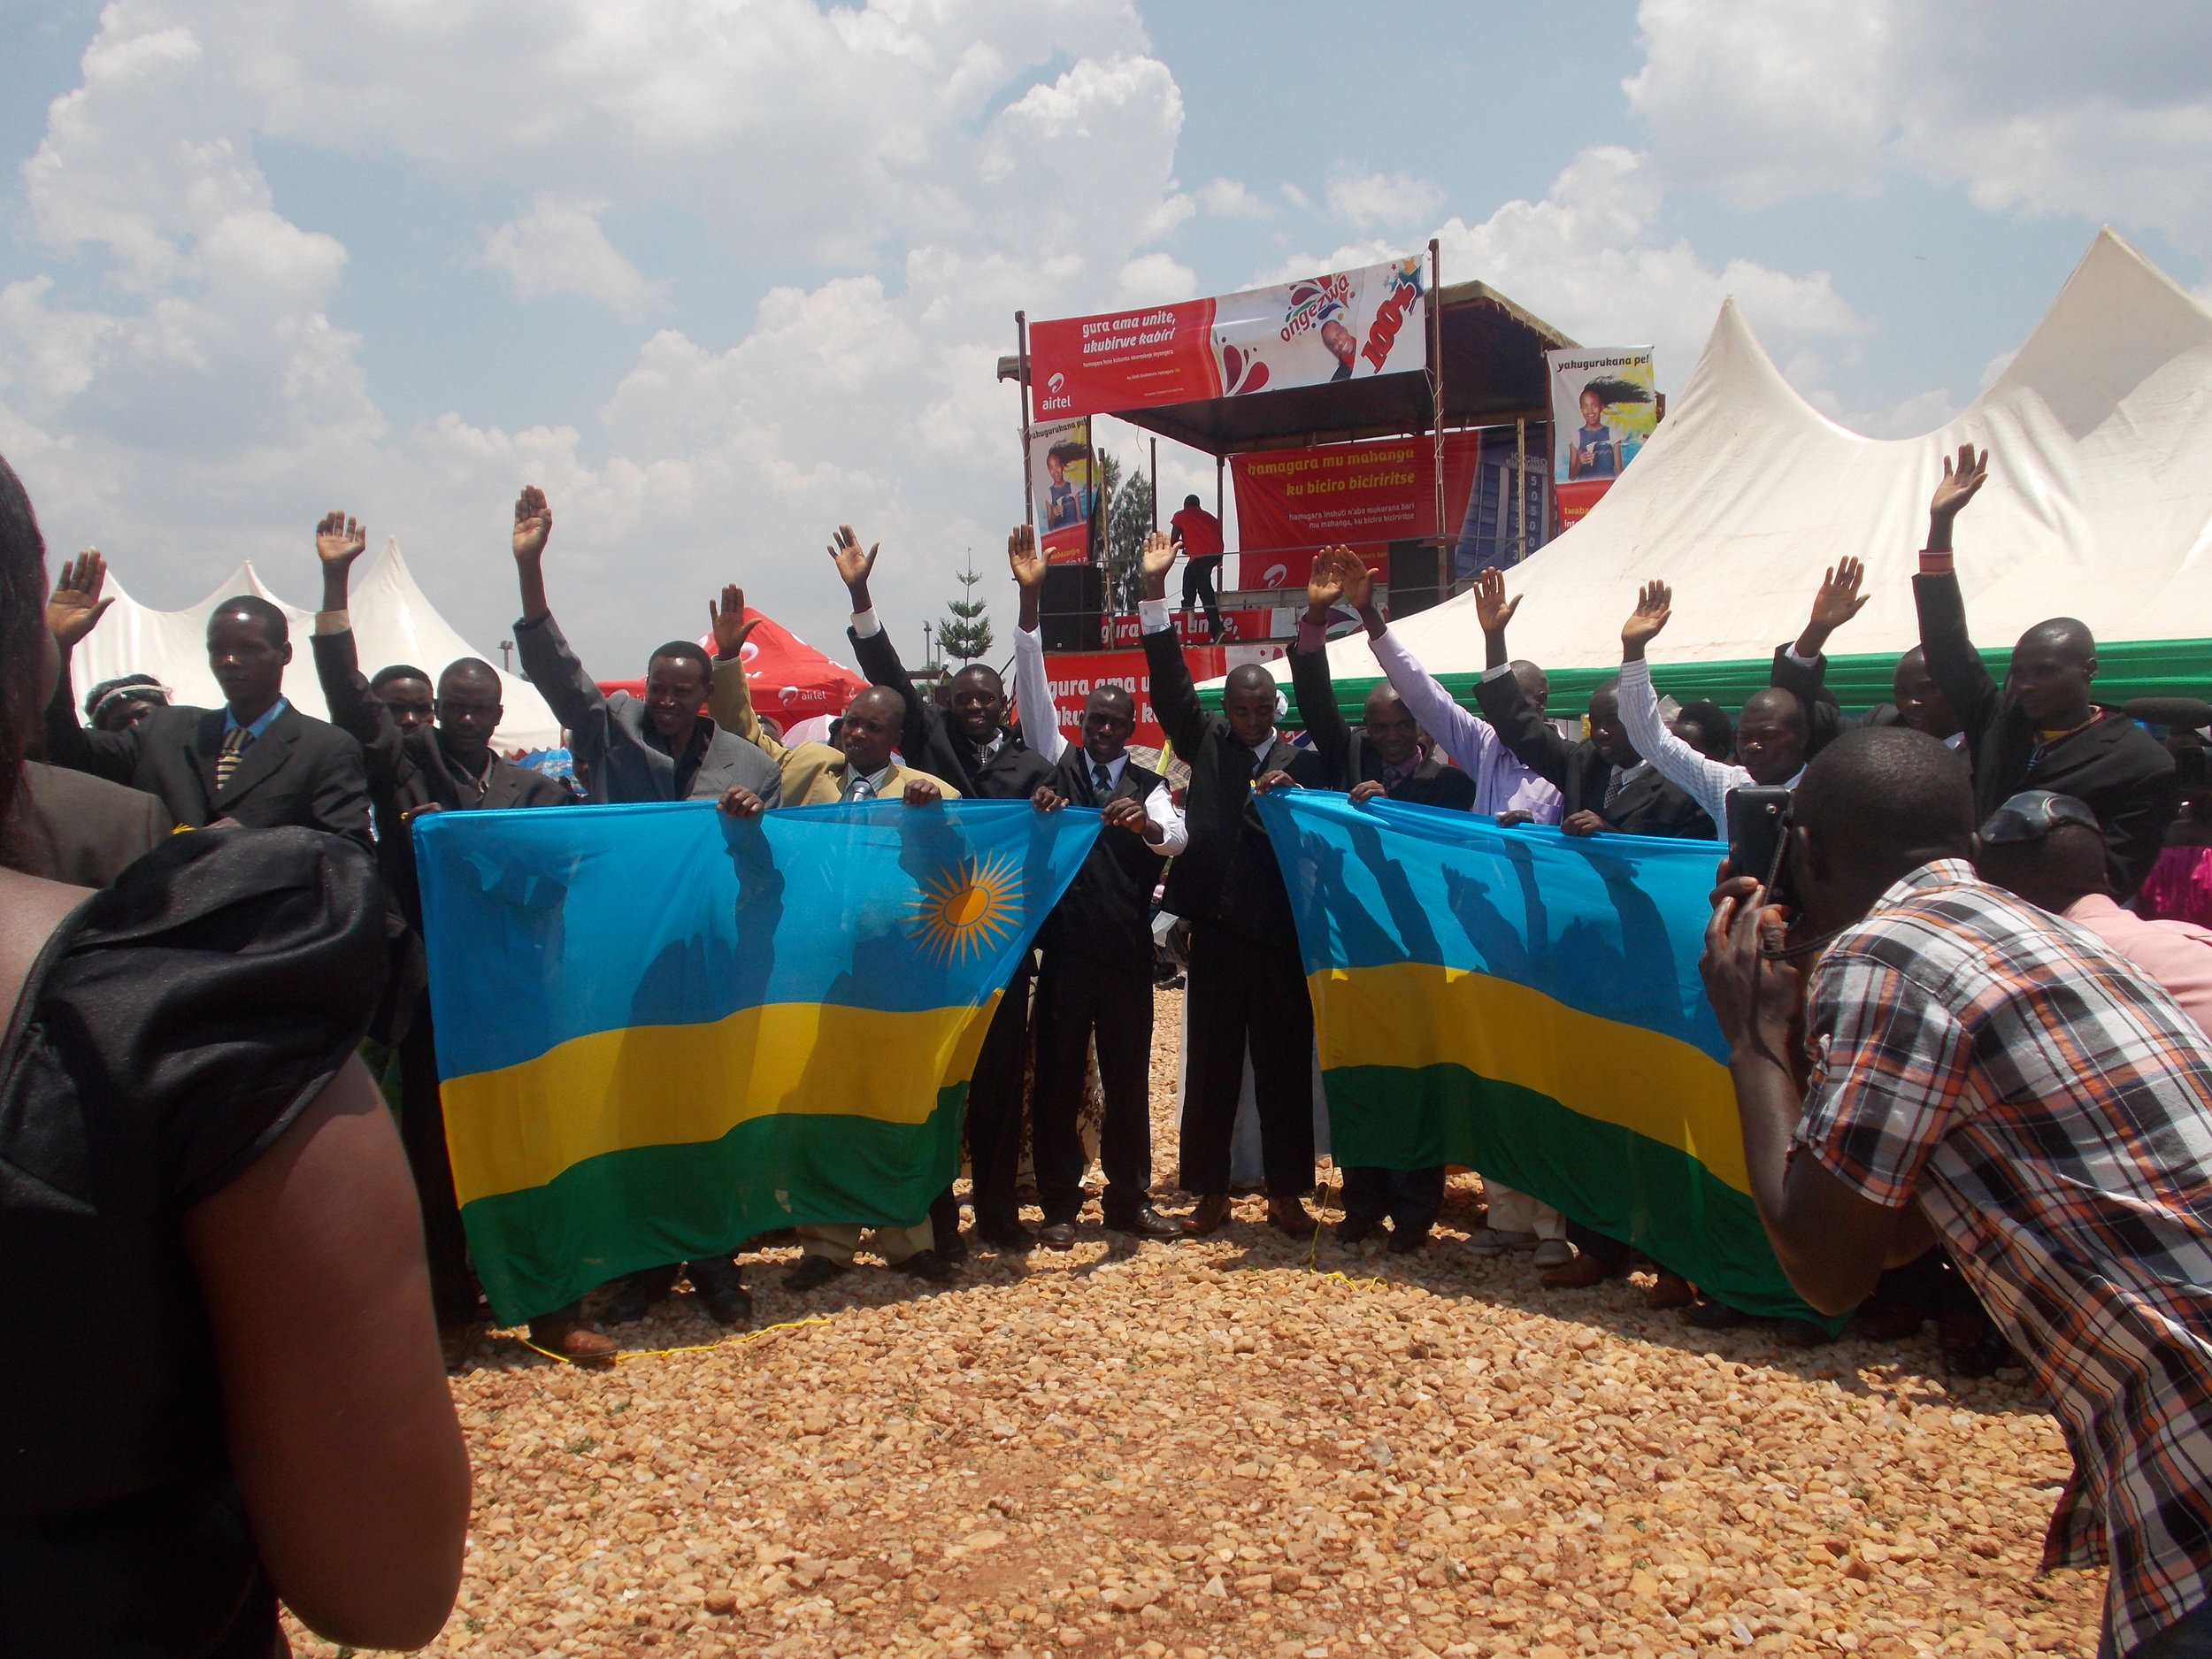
(721, 273)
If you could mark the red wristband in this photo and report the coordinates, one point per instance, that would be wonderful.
(1935, 563)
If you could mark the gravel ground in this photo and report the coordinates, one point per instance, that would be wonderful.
(1241, 1447)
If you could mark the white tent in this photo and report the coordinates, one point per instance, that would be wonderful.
(2099, 504)
(392, 623)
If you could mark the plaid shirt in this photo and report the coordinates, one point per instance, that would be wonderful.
(2051, 1109)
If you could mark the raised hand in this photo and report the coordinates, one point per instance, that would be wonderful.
(1359, 581)
(533, 523)
(1325, 583)
(1653, 605)
(1158, 557)
(340, 540)
(854, 563)
(74, 605)
(731, 629)
(1838, 600)
(1493, 609)
(1021, 553)
(1962, 481)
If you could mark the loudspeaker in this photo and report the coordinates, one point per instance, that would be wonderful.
(1072, 609)
(1416, 577)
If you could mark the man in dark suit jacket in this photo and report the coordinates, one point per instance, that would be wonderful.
(975, 751)
(1383, 758)
(2040, 729)
(256, 764)
(72, 826)
(414, 766)
(1095, 985)
(1247, 981)
(1605, 785)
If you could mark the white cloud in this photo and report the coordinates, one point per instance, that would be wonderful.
(2027, 106)
(1228, 198)
(1376, 198)
(172, 386)
(558, 247)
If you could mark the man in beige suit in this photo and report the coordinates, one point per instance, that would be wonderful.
(860, 768)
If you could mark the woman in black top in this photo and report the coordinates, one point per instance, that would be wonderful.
(226, 1385)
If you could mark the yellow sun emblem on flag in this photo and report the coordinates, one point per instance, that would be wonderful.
(967, 909)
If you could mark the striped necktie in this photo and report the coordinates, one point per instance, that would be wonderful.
(236, 742)
(1102, 781)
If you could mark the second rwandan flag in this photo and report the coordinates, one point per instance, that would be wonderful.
(1528, 1004)
(663, 1030)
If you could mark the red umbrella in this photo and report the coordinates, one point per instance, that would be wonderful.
(790, 681)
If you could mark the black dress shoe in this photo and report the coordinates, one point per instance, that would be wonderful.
(625, 1306)
(1713, 1316)
(725, 1298)
(1145, 1223)
(953, 1248)
(1351, 1232)
(1405, 1240)
(813, 1272)
(929, 1267)
(1008, 1238)
(1060, 1235)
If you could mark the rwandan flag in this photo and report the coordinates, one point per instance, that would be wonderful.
(1528, 1004)
(663, 1030)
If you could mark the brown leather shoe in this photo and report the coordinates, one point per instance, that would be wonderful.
(1207, 1216)
(1291, 1216)
(1671, 1290)
(1580, 1274)
(572, 1339)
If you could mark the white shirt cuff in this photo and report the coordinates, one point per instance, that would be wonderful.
(1498, 672)
(1802, 662)
(1152, 616)
(864, 624)
(333, 622)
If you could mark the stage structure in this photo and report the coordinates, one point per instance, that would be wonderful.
(1372, 407)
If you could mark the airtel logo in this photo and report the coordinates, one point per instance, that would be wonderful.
(1058, 382)
(1276, 576)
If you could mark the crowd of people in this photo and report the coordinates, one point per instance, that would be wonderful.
(1969, 1039)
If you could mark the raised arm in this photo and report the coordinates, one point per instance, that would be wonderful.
(1174, 699)
(1706, 781)
(1953, 662)
(354, 710)
(573, 695)
(1801, 668)
(1328, 584)
(731, 699)
(73, 608)
(872, 650)
(1032, 690)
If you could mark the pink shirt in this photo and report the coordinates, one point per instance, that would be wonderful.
(2177, 955)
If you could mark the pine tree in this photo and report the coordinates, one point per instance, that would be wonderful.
(966, 634)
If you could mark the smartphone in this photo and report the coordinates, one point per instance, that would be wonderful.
(1758, 826)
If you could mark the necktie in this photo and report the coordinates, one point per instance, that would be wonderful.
(1613, 785)
(1102, 781)
(236, 742)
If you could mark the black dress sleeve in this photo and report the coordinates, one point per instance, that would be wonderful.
(197, 1007)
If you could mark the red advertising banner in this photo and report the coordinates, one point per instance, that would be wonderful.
(1243, 626)
(1292, 503)
(1307, 333)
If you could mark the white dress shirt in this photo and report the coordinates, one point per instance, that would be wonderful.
(1041, 730)
(1708, 782)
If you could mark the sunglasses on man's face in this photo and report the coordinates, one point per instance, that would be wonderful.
(2030, 816)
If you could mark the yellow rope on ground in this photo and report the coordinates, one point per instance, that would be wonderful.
(662, 1353)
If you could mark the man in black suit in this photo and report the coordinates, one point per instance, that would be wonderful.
(974, 749)
(1247, 982)
(1383, 759)
(254, 763)
(426, 754)
(2040, 729)
(1096, 982)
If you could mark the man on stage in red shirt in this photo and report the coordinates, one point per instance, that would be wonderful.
(1198, 533)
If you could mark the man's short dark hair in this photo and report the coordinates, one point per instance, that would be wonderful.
(984, 671)
(1880, 794)
(474, 669)
(1711, 719)
(1190, 501)
(1782, 700)
(384, 677)
(684, 652)
(255, 609)
(1250, 677)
